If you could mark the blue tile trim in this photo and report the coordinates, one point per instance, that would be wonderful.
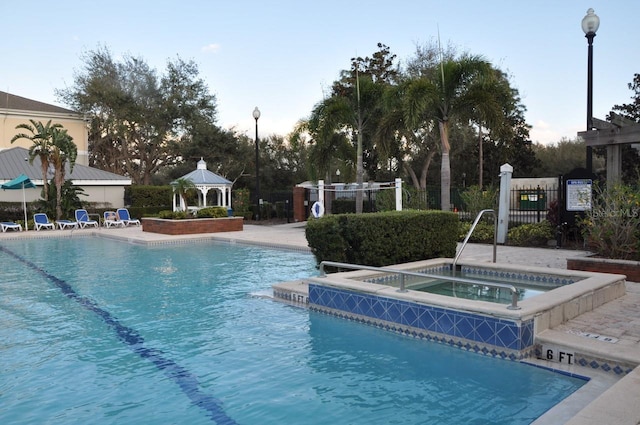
(497, 275)
(475, 328)
(608, 366)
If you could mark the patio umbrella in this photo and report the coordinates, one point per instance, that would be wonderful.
(20, 182)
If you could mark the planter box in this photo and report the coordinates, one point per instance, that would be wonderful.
(191, 226)
(605, 265)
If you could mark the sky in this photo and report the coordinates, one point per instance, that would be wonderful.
(283, 56)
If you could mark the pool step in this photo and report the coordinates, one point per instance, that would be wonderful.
(295, 292)
(587, 350)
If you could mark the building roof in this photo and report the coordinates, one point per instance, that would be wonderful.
(15, 161)
(11, 101)
(202, 176)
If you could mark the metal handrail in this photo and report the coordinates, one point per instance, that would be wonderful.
(403, 273)
(473, 226)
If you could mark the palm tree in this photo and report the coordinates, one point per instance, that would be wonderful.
(350, 110)
(62, 150)
(181, 186)
(41, 135)
(465, 88)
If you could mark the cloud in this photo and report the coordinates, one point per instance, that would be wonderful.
(213, 47)
(544, 133)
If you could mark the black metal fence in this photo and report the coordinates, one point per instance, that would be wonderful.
(275, 205)
(529, 204)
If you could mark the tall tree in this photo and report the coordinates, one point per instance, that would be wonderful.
(507, 139)
(558, 158)
(631, 112)
(182, 187)
(463, 90)
(63, 149)
(353, 111)
(41, 136)
(412, 146)
(136, 117)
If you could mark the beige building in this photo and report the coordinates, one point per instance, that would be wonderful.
(15, 110)
(104, 189)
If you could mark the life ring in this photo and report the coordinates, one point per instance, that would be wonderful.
(317, 209)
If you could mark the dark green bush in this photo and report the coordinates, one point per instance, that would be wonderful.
(173, 215)
(345, 206)
(385, 238)
(138, 212)
(483, 233)
(386, 200)
(213, 212)
(532, 234)
(139, 196)
(241, 202)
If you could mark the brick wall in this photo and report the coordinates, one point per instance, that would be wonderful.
(602, 265)
(299, 209)
(192, 226)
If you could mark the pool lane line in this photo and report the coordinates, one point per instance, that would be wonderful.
(187, 382)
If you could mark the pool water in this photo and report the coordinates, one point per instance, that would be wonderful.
(478, 292)
(98, 331)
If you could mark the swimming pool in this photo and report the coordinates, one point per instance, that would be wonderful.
(98, 331)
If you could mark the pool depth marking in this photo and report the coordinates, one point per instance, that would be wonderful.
(187, 382)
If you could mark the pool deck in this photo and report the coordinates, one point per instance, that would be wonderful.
(618, 319)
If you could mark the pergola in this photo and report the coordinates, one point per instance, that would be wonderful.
(205, 181)
(612, 134)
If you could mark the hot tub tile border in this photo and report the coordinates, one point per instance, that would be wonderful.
(494, 334)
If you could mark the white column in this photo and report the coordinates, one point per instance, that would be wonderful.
(506, 171)
(398, 194)
(321, 192)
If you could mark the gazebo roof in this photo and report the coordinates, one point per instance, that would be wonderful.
(203, 177)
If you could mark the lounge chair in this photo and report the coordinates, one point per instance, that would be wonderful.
(123, 214)
(82, 217)
(42, 222)
(66, 224)
(10, 225)
(111, 219)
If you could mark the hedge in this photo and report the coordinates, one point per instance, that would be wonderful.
(382, 239)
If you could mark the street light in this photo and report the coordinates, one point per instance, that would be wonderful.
(590, 24)
(256, 115)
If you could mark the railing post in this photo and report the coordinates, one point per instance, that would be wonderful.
(538, 203)
(514, 301)
(402, 287)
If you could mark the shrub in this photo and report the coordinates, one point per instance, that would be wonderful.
(386, 200)
(241, 202)
(345, 206)
(173, 215)
(385, 238)
(611, 227)
(148, 196)
(531, 234)
(212, 212)
(475, 199)
(483, 233)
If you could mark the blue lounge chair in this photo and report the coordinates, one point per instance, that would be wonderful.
(10, 225)
(111, 219)
(82, 217)
(66, 224)
(42, 221)
(123, 214)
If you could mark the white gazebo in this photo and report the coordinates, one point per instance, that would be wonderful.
(205, 181)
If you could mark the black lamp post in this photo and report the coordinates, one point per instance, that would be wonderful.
(256, 115)
(590, 24)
